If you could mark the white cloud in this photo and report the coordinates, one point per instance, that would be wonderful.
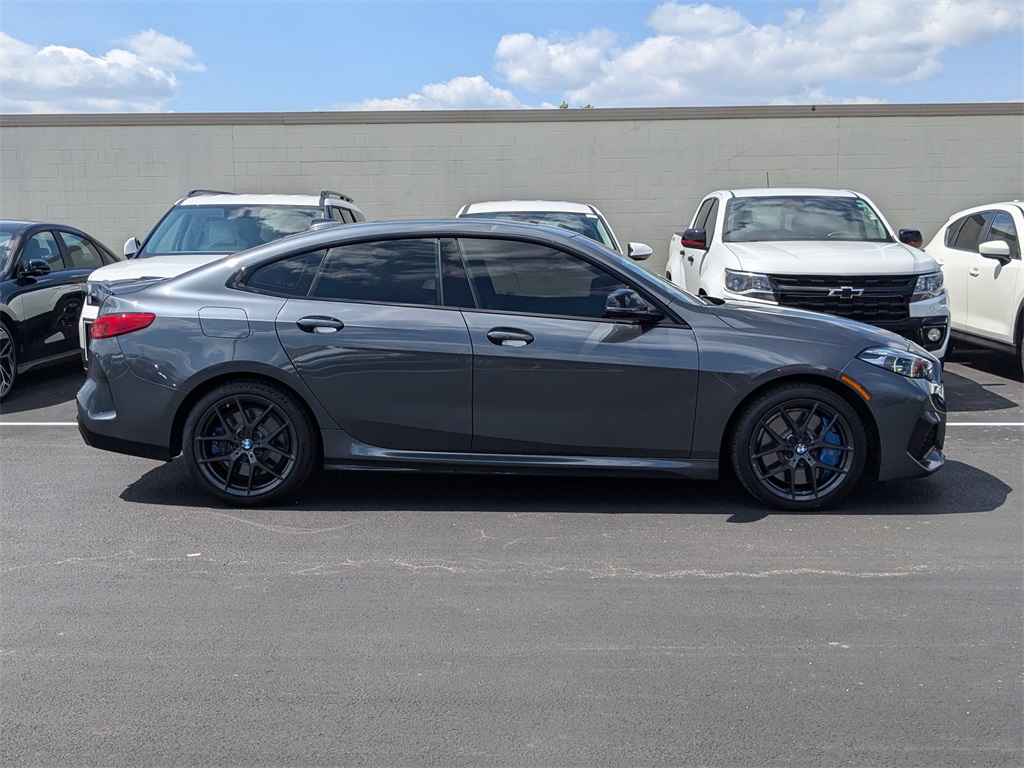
(712, 54)
(458, 93)
(540, 65)
(138, 78)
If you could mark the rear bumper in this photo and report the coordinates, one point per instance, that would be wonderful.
(118, 445)
(140, 423)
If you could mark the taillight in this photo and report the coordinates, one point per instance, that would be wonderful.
(107, 326)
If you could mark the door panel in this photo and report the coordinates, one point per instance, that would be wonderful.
(993, 285)
(391, 376)
(48, 305)
(576, 386)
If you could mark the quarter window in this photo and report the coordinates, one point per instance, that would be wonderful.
(391, 271)
(288, 277)
(516, 276)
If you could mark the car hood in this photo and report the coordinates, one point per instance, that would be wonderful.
(799, 257)
(155, 266)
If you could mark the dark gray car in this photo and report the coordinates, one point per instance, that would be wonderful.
(479, 346)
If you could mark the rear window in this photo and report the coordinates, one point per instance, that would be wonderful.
(587, 224)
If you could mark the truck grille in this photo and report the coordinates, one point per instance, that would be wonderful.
(875, 300)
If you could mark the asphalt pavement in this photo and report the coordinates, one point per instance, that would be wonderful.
(389, 619)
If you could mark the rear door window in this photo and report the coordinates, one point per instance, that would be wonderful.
(82, 253)
(390, 271)
(967, 237)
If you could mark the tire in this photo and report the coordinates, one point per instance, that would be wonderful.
(799, 447)
(249, 443)
(8, 361)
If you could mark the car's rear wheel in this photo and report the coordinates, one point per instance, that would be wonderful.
(8, 361)
(799, 446)
(249, 443)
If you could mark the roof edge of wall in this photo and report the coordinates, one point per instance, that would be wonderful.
(1012, 108)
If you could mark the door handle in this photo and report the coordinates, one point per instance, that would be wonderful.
(690, 258)
(975, 272)
(319, 324)
(509, 337)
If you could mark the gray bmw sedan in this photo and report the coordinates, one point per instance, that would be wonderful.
(481, 346)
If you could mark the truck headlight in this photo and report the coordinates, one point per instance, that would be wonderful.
(927, 286)
(749, 284)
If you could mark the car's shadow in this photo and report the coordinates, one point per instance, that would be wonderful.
(1001, 364)
(959, 488)
(45, 387)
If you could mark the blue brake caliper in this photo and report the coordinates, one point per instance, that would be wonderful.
(830, 456)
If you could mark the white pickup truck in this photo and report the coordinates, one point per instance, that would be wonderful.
(824, 250)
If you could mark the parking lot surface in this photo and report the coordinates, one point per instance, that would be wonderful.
(390, 619)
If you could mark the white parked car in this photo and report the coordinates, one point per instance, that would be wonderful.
(824, 250)
(581, 218)
(979, 250)
(206, 225)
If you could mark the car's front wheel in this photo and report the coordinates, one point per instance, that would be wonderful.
(8, 361)
(799, 446)
(249, 443)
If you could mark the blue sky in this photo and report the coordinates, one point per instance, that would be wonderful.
(240, 56)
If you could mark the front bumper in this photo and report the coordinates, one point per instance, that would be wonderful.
(922, 330)
(910, 420)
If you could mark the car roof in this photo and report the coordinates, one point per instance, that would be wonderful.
(200, 198)
(472, 227)
(534, 206)
(987, 207)
(788, 192)
(14, 225)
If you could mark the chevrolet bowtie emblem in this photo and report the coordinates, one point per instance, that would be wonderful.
(846, 292)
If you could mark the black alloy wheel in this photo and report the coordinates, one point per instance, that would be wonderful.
(8, 361)
(249, 443)
(799, 446)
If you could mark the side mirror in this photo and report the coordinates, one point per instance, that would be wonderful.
(911, 237)
(638, 251)
(627, 304)
(995, 249)
(34, 268)
(694, 238)
(131, 247)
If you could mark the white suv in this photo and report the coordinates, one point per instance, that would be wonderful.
(206, 225)
(824, 250)
(979, 250)
(581, 218)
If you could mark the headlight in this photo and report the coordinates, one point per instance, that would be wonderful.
(92, 294)
(749, 284)
(927, 286)
(905, 363)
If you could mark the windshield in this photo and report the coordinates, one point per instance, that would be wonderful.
(587, 224)
(759, 219)
(225, 228)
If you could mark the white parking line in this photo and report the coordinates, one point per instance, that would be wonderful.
(985, 423)
(38, 423)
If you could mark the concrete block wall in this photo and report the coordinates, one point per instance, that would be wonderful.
(647, 169)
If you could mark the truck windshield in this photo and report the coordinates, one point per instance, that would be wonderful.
(759, 219)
